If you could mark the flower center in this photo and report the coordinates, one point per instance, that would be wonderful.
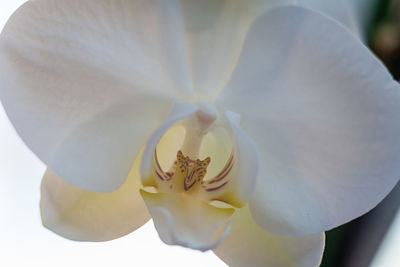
(197, 157)
(191, 171)
(185, 171)
(187, 175)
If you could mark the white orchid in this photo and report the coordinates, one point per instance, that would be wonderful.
(246, 129)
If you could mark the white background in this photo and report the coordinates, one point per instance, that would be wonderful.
(25, 242)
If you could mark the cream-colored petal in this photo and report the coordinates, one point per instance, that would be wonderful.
(249, 245)
(214, 35)
(78, 214)
(86, 82)
(181, 219)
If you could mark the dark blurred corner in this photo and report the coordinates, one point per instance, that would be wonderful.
(384, 34)
(355, 244)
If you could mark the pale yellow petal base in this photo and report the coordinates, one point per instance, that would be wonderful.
(83, 215)
(249, 245)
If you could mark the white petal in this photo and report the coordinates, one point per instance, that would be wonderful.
(325, 115)
(179, 111)
(237, 185)
(214, 34)
(249, 245)
(341, 10)
(85, 83)
(83, 215)
(186, 221)
(245, 171)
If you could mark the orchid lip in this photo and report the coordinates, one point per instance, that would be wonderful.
(192, 173)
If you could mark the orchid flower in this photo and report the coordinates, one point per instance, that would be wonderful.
(238, 126)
